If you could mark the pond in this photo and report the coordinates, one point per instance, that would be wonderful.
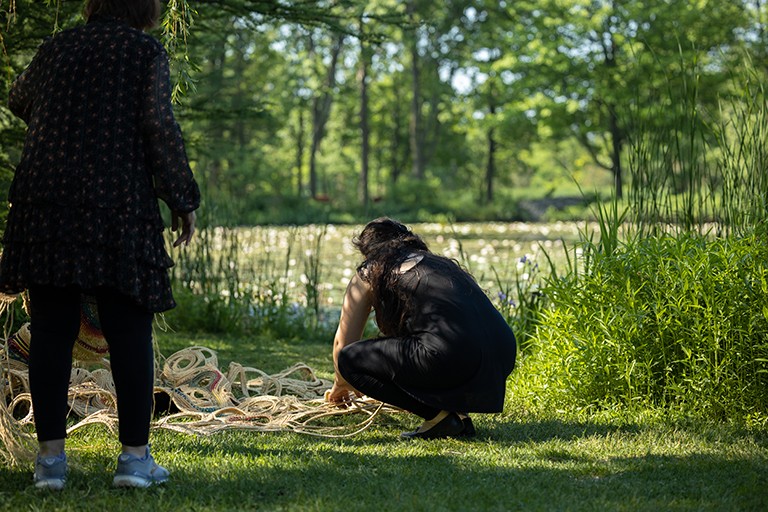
(296, 260)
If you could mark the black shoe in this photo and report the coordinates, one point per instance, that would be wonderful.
(450, 426)
(469, 427)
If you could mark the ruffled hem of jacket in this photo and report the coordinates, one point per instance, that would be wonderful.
(24, 265)
(131, 251)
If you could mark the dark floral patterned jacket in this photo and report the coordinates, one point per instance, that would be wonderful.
(102, 146)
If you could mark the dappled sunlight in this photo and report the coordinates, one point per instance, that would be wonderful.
(280, 255)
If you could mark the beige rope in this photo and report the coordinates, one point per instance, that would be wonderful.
(290, 400)
(287, 401)
(16, 444)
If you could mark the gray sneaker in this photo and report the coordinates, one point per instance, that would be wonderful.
(51, 472)
(133, 471)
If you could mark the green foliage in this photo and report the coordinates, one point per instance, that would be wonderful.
(673, 321)
(464, 97)
(244, 282)
(521, 301)
(663, 306)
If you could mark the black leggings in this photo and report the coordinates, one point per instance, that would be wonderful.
(383, 368)
(55, 324)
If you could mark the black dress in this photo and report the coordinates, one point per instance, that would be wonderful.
(102, 146)
(455, 354)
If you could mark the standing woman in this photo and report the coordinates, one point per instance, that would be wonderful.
(445, 350)
(102, 146)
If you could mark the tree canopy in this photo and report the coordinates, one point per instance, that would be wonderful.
(314, 110)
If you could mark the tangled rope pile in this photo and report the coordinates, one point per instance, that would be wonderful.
(250, 399)
(192, 395)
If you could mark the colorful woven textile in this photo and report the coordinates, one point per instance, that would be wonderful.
(18, 344)
(90, 344)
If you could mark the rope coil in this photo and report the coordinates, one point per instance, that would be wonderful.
(202, 399)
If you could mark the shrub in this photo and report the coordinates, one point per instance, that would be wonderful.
(675, 321)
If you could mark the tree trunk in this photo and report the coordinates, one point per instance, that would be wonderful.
(362, 77)
(417, 148)
(398, 148)
(609, 51)
(760, 22)
(238, 102)
(616, 147)
(490, 168)
(321, 109)
(216, 130)
(416, 130)
(300, 152)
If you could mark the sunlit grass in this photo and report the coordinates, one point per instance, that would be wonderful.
(521, 460)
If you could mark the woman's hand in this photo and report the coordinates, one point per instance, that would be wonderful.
(187, 223)
(341, 394)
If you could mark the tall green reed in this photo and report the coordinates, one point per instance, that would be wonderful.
(695, 169)
(742, 164)
(667, 307)
(248, 280)
(668, 154)
(675, 321)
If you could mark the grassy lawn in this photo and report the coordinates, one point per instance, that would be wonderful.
(519, 461)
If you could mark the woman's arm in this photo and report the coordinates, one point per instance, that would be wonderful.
(166, 155)
(21, 96)
(354, 315)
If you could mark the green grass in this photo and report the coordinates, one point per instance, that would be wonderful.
(522, 459)
(660, 321)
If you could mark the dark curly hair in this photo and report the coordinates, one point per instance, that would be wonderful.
(385, 243)
(140, 14)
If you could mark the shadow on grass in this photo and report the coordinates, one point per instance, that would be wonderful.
(547, 430)
(539, 465)
(346, 481)
(447, 482)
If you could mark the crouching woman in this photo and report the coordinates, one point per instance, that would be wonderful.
(444, 350)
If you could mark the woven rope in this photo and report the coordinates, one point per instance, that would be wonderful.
(16, 443)
(207, 400)
(291, 400)
(90, 344)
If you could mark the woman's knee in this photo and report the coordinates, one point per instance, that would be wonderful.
(357, 361)
(345, 362)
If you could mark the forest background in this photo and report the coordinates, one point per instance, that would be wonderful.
(648, 117)
(336, 111)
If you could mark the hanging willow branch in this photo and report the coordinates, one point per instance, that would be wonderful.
(10, 15)
(176, 25)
